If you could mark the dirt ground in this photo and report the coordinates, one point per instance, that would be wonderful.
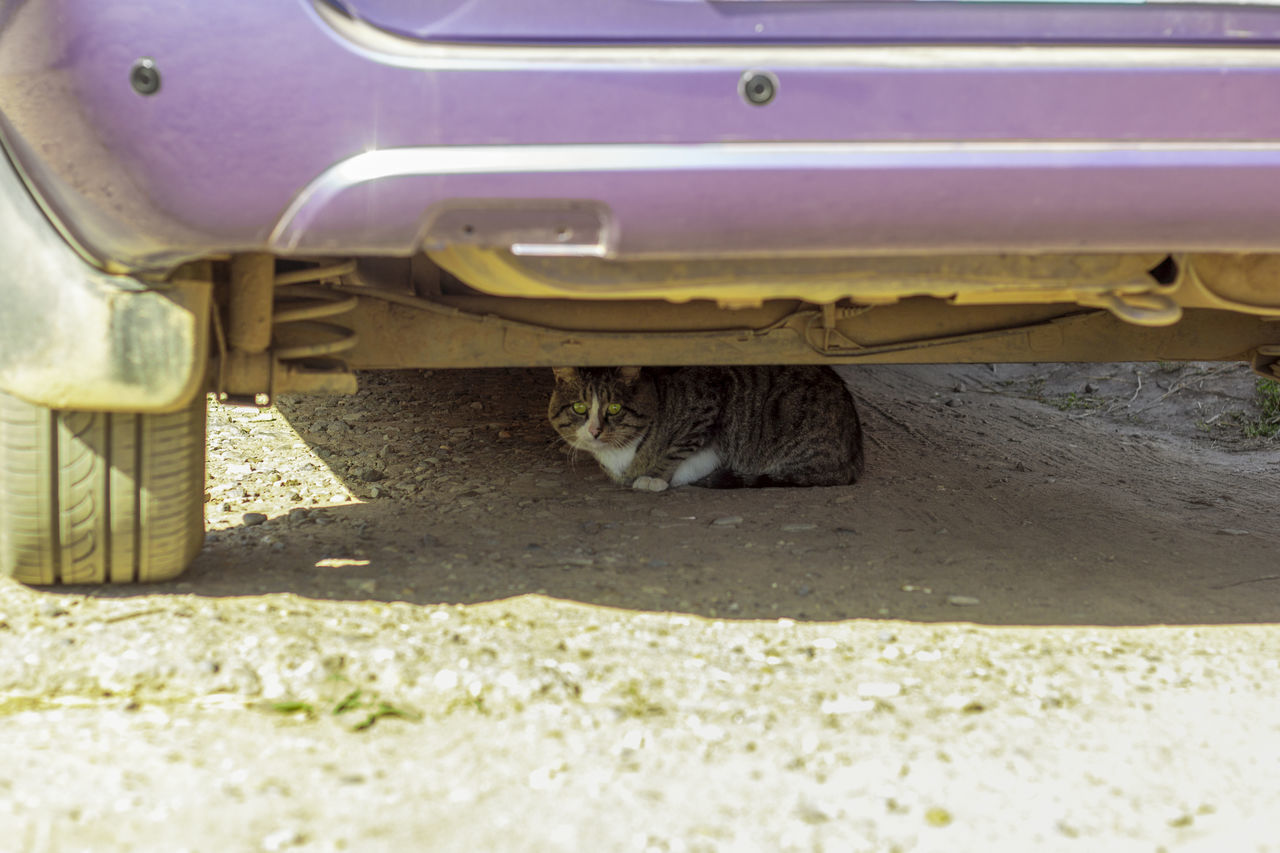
(1045, 617)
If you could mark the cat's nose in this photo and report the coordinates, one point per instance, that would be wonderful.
(594, 429)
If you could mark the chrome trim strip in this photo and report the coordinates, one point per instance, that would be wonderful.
(443, 161)
(390, 49)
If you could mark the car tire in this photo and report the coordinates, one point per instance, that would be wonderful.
(98, 497)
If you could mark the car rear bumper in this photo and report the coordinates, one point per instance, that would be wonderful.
(289, 128)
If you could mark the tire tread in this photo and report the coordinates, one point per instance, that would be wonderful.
(95, 497)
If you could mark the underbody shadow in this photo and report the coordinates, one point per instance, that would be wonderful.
(963, 515)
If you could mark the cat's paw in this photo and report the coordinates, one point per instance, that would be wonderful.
(650, 484)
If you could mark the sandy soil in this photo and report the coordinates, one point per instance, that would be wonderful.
(1046, 615)
(1104, 511)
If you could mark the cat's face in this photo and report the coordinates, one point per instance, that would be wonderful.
(597, 409)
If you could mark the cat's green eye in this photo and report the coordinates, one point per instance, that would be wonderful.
(614, 408)
(580, 408)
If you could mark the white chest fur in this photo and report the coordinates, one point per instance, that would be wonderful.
(616, 460)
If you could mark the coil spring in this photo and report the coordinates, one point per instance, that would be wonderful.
(304, 307)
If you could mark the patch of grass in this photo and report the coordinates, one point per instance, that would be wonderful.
(372, 709)
(348, 703)
(1076, 401)
(1267, 424)
(384, 709)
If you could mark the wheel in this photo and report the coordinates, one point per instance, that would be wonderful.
(95, 497)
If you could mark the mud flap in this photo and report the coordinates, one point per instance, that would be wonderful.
(75, 337)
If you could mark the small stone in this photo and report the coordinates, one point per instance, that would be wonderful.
(294, 497)
(953, 403)
(796, 528)
(1090, 388)
(879, 689)
(283, 838)
(803, 590)
(1232, 531)
(253, 519)
(962, 600)
(372, 475)
(727, 521)
(55, 608)
(937, 817)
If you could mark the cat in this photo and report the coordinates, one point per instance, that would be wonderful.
(717, 427)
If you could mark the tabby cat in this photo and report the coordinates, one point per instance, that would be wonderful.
(720, 427)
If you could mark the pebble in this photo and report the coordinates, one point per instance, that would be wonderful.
(55, 608)
(796, 528)
(727, 521)
(371, 475)
(962, 600)
(253, 519)
(1232, 531)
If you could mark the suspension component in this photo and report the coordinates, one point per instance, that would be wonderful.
(301, 336)
(281, 333)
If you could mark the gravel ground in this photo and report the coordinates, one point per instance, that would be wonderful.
(1039, 623)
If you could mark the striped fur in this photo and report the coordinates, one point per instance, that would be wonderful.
(752, 426)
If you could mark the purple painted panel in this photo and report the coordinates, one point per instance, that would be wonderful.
(881, 199)
(855, 20)
(258, 101)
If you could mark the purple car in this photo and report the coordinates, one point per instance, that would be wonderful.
(254, 198)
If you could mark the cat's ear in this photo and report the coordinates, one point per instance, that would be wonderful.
(628, 374)
(565, 374)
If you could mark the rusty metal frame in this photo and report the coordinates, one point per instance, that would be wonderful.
(912, 310)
